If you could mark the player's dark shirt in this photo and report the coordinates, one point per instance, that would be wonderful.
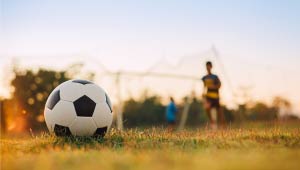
(210, 80)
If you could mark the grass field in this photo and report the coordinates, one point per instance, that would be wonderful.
(258, 146)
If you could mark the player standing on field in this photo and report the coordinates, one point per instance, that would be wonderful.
(171, 111)
(211, 96)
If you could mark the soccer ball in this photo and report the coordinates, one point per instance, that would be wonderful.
(78, 108)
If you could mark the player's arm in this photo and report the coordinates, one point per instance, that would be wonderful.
(175, 109)
(204, 89)
(217, 84)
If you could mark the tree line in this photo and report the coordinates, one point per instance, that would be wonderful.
(24, 110)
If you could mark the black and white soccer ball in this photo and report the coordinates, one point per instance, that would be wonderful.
(78, 108)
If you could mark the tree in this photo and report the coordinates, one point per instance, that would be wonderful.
(147, 112)
(31, 90)
(261, 111)
(196, 115)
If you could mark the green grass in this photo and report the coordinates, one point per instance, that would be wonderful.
(255, 147)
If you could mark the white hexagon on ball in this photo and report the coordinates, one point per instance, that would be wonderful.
(70, 91)
(102, 115)
(95, 92)
(78, 108)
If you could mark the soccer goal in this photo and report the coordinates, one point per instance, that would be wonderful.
(166, 78)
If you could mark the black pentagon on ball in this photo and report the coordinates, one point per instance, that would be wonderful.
(108, 102)
(60, 130)
(84, 106)
(82, 82)
(53, 100)
(100, 132)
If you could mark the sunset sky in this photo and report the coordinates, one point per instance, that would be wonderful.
(258, 41)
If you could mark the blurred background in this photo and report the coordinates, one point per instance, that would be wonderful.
(143, 52)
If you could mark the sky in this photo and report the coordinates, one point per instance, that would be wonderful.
(258, 41)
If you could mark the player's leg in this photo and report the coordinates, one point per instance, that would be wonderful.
(207, 107)
(221, 117)
(214, 114)
(171, 125)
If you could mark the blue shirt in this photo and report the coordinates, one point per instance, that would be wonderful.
(171, 111)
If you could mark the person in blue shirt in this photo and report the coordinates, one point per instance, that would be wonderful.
(171, 111)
